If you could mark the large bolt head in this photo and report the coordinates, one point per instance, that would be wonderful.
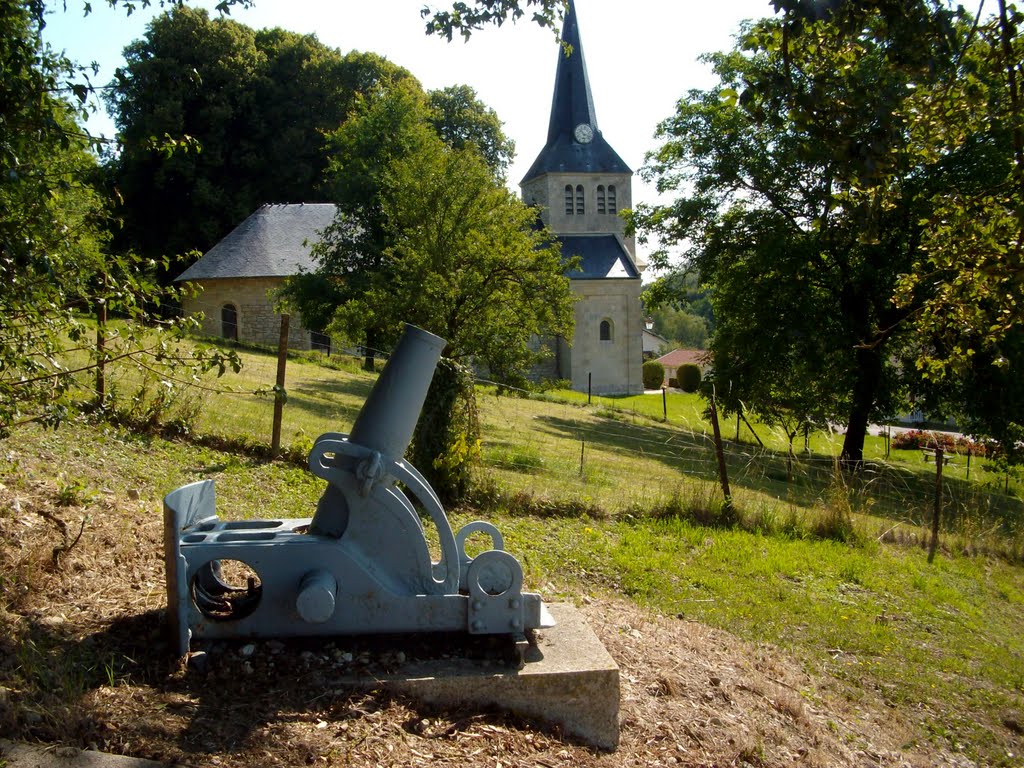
(316, 599)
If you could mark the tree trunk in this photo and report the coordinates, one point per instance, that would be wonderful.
(371, 340)
(865, 392)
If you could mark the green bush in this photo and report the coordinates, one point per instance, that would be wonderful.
(689, 377)
(653, 375)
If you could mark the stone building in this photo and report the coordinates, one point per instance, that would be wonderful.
(580, 185)
(577, 181)
(237, 277)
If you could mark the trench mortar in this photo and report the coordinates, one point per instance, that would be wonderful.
(361, 564)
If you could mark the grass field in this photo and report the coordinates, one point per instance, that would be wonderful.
(617, 455)
(939, 645)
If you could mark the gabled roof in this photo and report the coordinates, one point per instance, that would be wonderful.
(652, 341)
(571, 105)
(601, 256)
(678, 357)
(273, 242)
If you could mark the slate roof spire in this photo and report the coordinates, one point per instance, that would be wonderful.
(572, 103)
(571, 147)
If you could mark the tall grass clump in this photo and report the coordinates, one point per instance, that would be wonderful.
(835, 519)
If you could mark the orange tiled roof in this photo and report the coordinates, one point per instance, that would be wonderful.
(678, 357)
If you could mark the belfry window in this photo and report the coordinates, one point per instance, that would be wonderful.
(612, 206)
(606, 330)
(229, 322)
(600, 198)
(568, 200)
(579, 200)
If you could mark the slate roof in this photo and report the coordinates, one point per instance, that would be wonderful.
(601, 256)
(571, 105)
(273, 242)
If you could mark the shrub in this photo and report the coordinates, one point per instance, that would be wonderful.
(689, 377)
(916, 438)
(653, 374)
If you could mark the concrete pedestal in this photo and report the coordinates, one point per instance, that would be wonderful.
(568, 680)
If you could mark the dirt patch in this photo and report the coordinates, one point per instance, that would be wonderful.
(84, 660)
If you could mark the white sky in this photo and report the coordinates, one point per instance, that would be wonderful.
(641, 56)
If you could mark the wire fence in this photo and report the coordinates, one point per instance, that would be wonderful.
(595, 453)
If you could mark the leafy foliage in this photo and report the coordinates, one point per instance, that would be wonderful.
(446, 443)
(54, 264)
(688, 375)
(811, 181)
(653, 374)
(463, 122)
(254, 106)
(467, 18)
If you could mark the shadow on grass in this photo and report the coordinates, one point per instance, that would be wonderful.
(884, 490)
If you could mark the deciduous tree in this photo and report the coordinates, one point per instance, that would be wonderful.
(254, 107)
(804, 181)
(55, 268)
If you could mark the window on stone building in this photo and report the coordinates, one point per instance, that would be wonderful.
(579, 200)
(568, 200)
(229, 322)
(600, 198)
(612, 205)
(606, 330)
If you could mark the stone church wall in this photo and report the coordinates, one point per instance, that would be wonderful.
(258, 323)
(613, 366)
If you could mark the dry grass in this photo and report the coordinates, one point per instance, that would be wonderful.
(84, 661)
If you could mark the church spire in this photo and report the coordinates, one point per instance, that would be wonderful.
(572, 104)
(574, 144)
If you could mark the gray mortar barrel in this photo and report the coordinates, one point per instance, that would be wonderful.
(389, 415)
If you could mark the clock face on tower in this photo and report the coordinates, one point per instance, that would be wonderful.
(584, 133)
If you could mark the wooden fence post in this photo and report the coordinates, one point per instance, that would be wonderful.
(101, 353)
(720, 453)
(279, 393)
(939, 461)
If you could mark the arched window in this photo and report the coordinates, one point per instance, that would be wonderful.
(606, 330)
(600, 198)
(568, 200)
(229, 322)
(612, 206)
(579, 200)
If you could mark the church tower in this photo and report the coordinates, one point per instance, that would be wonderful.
(580, 185)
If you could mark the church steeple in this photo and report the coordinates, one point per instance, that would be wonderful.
(572, 104)
(575, 144)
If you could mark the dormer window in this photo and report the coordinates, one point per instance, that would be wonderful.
(579, 200)
(600, 198)
(612, 205)
(568, 200)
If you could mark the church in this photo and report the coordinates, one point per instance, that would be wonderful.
(579, 185)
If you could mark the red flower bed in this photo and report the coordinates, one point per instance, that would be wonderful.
(917, 438)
